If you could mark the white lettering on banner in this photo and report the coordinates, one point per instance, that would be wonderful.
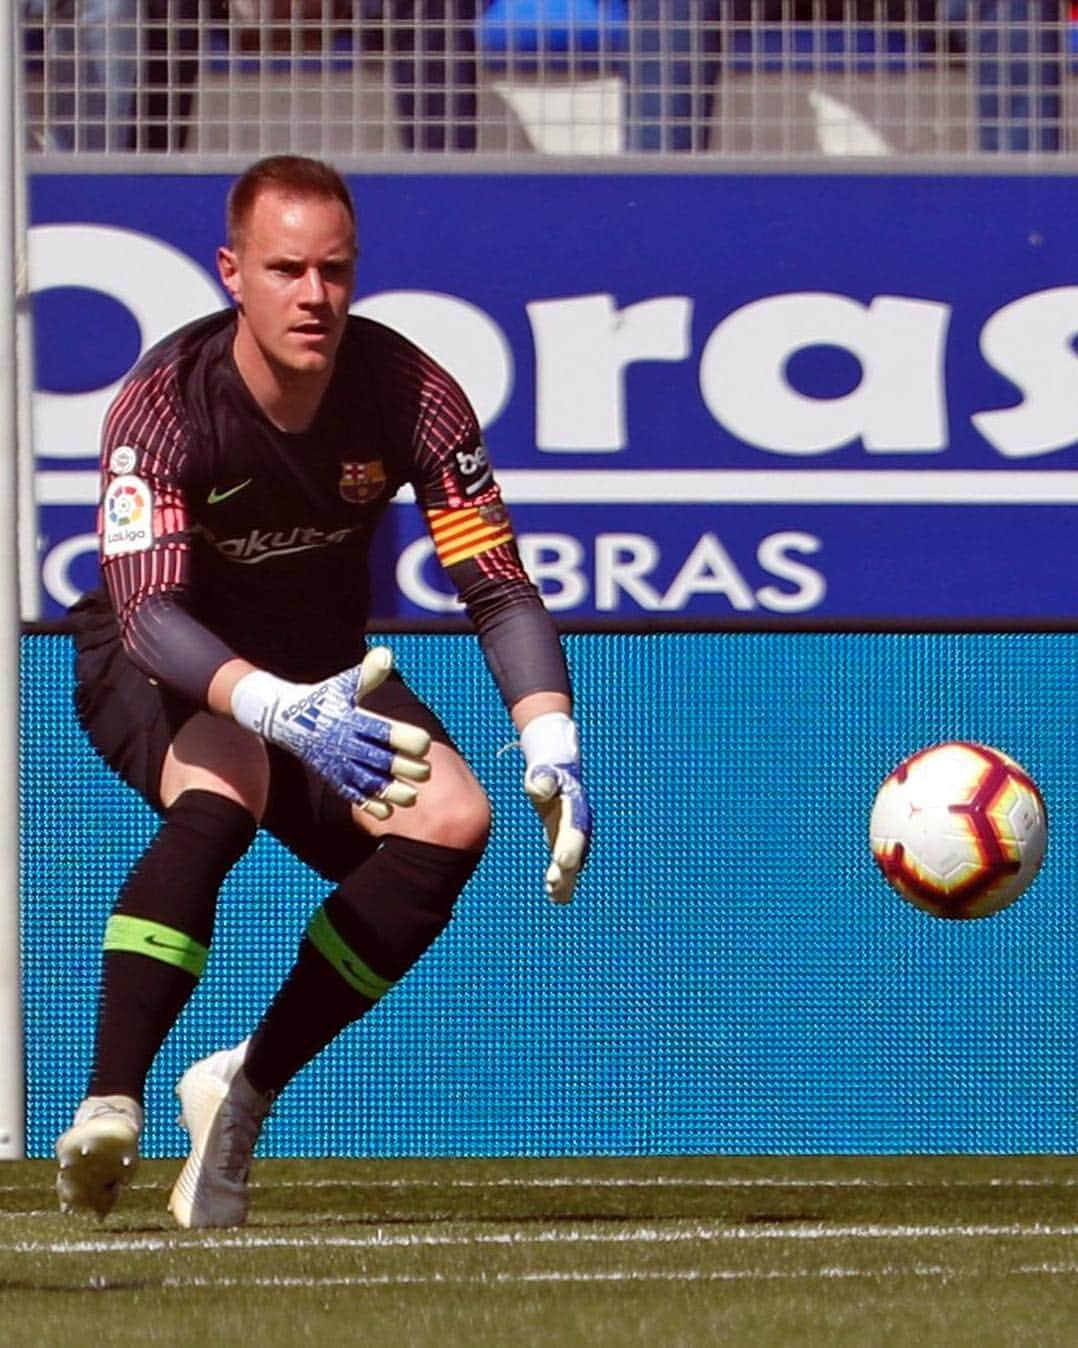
(810, 587)
(623, 564)
(708, 569)
(582, 347)
(413, 585)
(56, 567)
(460, 336)
(1030, 341)
(584, 344)
(554, 562)
(161, 287)
(622, 561)
(898, 406)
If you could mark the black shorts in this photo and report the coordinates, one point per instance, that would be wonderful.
(131, 720)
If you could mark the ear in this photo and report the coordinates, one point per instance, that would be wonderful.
(229, 270)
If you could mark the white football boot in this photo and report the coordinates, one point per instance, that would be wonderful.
(98, 1154)
(224, 1114)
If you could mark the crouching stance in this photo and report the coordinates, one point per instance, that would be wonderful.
(222, 672)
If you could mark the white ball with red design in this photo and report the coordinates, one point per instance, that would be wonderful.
(959, 829)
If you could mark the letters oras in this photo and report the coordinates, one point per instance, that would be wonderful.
(584, 344)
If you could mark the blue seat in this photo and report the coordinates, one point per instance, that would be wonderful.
(528, 36)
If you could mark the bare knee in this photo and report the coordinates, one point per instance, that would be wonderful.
(452, 809)
(463, 821)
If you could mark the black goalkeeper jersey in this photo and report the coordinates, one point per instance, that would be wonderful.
(211, 513)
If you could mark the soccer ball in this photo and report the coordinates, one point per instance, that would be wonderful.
(959, 829)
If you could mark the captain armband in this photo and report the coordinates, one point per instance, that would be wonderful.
(467, 531)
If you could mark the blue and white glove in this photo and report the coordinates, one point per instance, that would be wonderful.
(368, 759)
(552, 782)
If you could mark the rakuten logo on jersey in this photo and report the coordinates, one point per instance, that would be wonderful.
(262, 544)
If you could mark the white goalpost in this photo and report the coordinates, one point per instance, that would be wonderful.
(12, 285)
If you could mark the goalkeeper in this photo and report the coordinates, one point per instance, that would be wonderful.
(222, 672)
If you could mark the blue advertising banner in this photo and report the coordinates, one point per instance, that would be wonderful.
(734, 974)
(707, 396)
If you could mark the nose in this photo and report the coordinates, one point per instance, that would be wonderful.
(314, 287)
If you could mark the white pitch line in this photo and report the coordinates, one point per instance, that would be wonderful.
(620, 1182)
(519, 1279)
(661, 1182)
(647, 1235)
(608, 1276)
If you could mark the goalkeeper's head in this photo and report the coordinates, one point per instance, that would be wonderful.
(290, 268)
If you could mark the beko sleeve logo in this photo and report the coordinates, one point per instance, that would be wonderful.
(473, 465)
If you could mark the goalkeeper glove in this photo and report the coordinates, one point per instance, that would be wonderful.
(552, 783)
(368, 759)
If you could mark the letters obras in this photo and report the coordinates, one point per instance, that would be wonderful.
(627, 571)
(584, 345)
(575, 373)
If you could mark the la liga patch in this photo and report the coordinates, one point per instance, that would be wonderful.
(126, 517)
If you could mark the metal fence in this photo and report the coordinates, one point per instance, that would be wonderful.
(958, 79)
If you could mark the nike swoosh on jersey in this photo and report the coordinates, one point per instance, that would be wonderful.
(216, 497)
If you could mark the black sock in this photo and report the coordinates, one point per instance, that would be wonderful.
(366, 936)
(158, 937)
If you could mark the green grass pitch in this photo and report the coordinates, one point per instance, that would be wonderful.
(757, 1251)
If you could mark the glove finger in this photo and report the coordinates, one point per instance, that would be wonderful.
(567, 846)
(564, 815)
(560, 884)
(410, 739)
(541, 784)
(413, 746)
(383, 731)
(399, 793)
(549, 812)
(410, 769)
(374, 670)
(568, 850)
(373, 756)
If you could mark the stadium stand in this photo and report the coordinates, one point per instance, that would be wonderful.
(547, 77)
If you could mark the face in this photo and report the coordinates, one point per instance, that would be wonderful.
(291, 274)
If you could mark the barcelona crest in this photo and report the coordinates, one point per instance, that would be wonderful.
(362, 482)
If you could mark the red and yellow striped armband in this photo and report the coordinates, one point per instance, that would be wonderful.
(468, 530)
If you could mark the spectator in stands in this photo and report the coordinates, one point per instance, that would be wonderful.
(120, 74)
